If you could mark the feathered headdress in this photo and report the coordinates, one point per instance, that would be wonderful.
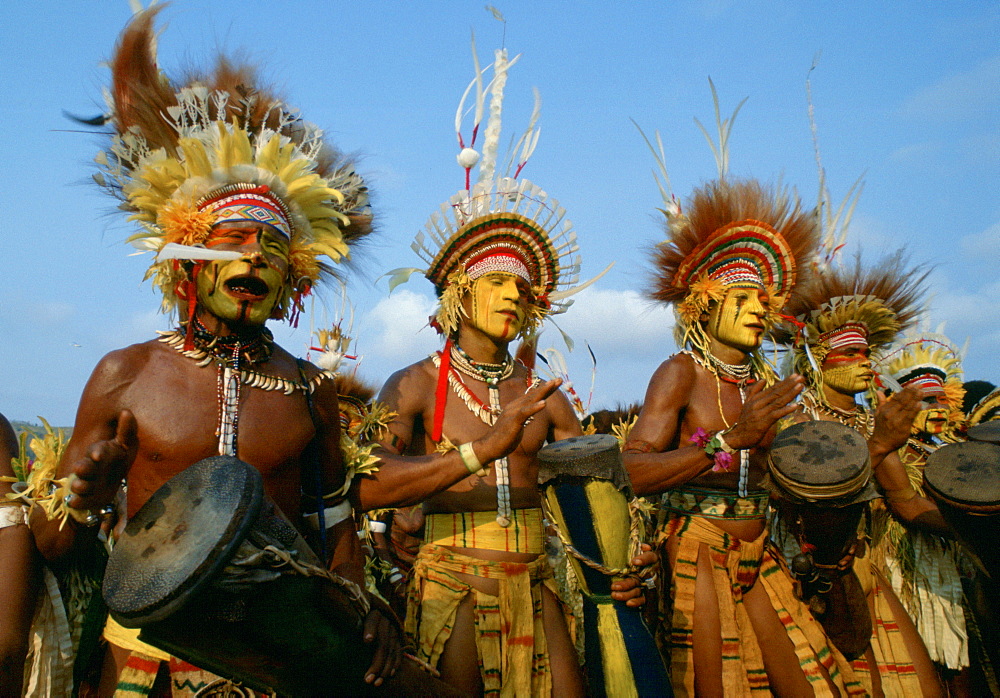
(931, 362)
(219, 146)
(500, 223)
(852, 305)
(730, 232)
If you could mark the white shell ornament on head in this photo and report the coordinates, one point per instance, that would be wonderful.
(468, 158)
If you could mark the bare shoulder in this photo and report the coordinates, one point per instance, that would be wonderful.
(674, 377)
(411, 386)
(8, 446)
(121, 367)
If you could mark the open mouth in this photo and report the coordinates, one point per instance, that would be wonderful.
(248, 288)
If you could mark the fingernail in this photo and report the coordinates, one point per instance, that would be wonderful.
(369, 678)
(378, 681)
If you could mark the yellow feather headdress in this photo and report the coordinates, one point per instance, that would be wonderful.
(930, 361)
(174, 146)
(873, 304)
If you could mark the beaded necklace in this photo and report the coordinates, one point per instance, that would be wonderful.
(859, 419)
(492, 375)
(742, 375)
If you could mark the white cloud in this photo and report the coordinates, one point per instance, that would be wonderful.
(53, 312)
(400, 333)
(958, 96)
(985, 244)
(616, 321)
(915, 153)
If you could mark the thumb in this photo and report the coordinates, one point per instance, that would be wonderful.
(126, 431)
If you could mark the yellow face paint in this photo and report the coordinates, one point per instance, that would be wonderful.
(738, 319)
(244, 291)
(848, 369)
(497, 305)
(934, 419)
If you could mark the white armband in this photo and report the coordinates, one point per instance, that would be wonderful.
(12, 515)
(331, 515)
(377, 526)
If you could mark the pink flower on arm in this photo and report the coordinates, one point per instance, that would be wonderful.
(723, 462)
(700, 437)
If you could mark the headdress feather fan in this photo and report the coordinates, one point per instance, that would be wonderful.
(177, 145)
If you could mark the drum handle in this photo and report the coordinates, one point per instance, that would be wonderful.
(635, 542)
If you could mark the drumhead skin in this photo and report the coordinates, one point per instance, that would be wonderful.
(590, 456)
(823, 462)
(987, 431)
(966, 475)
(181, 539)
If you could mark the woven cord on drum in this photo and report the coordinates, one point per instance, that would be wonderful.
(635, 542)
(352, 589)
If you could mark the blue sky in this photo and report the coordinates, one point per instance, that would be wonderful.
(907, 94)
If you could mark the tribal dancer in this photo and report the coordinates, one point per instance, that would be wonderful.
(838, 322)
(241, 200)
(18, 571)
(925, 568)
(736, 626)
(483, 607)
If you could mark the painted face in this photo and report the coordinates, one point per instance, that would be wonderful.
(497, 305)
(934, 418)
(848, 369)
(244, 291)
(738, 319)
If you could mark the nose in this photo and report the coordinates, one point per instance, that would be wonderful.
(252, 251)
(509, 291)
(755, 307)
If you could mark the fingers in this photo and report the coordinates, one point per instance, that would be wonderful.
(388, 648)
(543, 390)
(372, 628)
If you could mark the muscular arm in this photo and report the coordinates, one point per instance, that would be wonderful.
(565, 423)
(892, 427)
(651, 467)
(99, 453)
(406, 480)
(904, 502)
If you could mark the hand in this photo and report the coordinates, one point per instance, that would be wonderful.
(97, 474)
(894, 419)
(382, 629)
(505, 435)
(762, 409)
(630, 589)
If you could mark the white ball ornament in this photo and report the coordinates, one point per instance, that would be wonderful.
(468, 158)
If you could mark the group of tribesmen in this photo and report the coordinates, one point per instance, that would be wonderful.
(758, 575)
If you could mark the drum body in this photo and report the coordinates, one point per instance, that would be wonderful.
(586, 493)
(964, 480)
(821, 480)
(212, 573)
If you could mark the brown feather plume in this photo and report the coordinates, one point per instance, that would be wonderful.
(141, 94)
(719, 203)
(891, 281)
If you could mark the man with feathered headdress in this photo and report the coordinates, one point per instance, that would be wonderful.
(732, 257)
(482, 605)
(836, 326)
(246, 207)
(925, 568)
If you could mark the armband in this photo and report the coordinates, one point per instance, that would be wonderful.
(331, 515)
(903, 494)
(377, 526)
(470, 459)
